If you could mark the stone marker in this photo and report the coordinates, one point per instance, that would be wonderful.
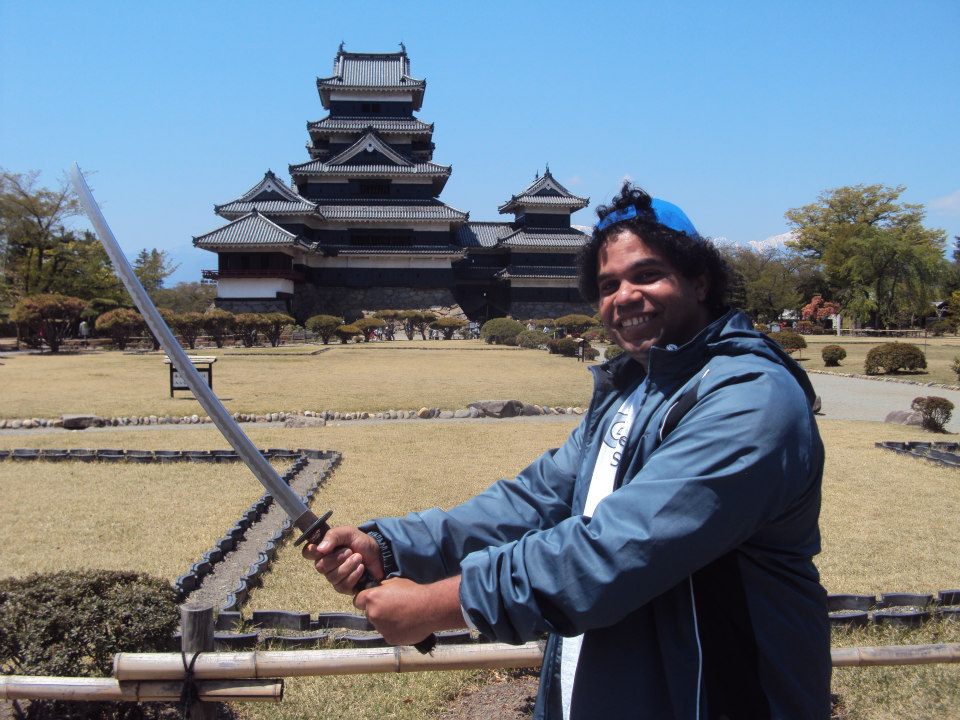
(498, 408)
(904, 417)
(81, 422)
(304, 422)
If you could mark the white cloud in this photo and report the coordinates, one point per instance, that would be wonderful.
(947, 205)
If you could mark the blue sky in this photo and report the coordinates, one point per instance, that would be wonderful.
(735, 111)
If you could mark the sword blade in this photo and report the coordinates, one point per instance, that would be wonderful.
(304, 519)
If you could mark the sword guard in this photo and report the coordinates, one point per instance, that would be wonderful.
(318, 528)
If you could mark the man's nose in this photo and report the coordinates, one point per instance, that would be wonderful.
(628, 292)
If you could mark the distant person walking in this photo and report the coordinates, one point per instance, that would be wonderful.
(84, 333)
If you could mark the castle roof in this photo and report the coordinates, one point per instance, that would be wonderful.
(393, 126)
(483, 234)
(538, 271)
(371, 72)
(251, 231)
(392, 210)
(371, 156)
(270, 196)
(544, 238)
(544, 191)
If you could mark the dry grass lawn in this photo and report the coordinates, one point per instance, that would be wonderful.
(402, 375)
(889, 524)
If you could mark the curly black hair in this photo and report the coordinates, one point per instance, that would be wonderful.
(691, 255)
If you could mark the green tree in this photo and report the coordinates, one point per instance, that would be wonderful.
(152, 268)
(47, 318)
(32, 225)
(324, 326)
(765, 281)
(186, 297)
(874, 249)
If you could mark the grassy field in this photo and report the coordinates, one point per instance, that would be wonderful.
(401, 375)
(939, 352)
(888, 525)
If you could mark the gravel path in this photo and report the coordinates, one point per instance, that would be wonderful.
(226, 574)
(846, 398)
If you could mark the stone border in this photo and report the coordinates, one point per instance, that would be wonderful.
(884, 378)
(193, 578)
(942, 453)
(899, 609)
(300, 418)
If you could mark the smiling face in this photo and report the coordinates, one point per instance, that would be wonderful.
(644, 300)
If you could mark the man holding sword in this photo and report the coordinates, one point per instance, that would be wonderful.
(666, 547)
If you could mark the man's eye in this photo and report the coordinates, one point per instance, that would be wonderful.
(608, 288)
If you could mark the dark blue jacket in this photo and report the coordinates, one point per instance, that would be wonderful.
(693, 582)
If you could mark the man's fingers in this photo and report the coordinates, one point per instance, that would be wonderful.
(342, 570)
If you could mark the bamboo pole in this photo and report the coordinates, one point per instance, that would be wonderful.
(896, 655)
(25, 687)
(294, 663)
(297, 663)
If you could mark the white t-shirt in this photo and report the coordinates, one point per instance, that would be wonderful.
(601, 484)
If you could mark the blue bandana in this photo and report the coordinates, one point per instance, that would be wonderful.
(666, 213)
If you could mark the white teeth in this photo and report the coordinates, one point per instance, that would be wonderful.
(630, 322)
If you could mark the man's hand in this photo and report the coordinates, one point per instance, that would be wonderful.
(405, 612)
(342, 556)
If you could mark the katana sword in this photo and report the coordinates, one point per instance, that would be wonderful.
(311, 527)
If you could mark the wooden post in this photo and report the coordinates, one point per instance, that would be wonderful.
(196, 626)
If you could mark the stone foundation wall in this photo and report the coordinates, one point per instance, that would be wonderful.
(530, 310)
(252, 306)
(349, 303)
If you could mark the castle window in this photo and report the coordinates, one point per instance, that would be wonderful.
(375, 188)
(370, 108)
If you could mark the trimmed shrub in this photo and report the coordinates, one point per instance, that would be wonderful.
(46, 318)
(324, 325)
(218, 323)
(934, 412)
(368, 325)
(891, 357)
(939, 328)
(120, 325)
(789, 341)
(499, 330)
(346, 333)
(532, 339)
(72, 623)
(612, 352)
(249, 326)
(563, 346)
(575, 323)
(448, 326)
(189, 325)
(594, 335)
(955, 366)
(832, 355)
(590, 352)
(274, 324)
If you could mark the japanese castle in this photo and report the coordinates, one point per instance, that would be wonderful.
(361, 226)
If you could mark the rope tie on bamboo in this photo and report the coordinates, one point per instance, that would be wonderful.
(189, 693)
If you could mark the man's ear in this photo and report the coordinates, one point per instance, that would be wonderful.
(701, 285)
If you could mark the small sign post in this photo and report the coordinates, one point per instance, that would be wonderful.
(203, 364)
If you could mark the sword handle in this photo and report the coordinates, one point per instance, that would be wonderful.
(315, 532)
(367, 581)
